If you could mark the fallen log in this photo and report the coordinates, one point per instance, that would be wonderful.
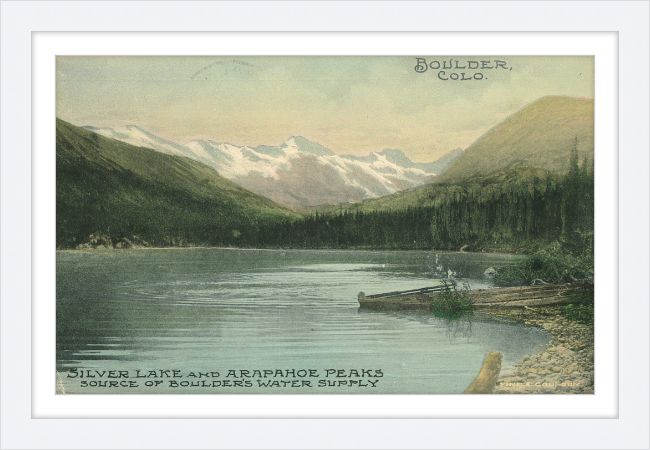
(486, 379)
(509, 297)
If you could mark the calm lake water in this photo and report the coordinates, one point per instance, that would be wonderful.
(205, 312)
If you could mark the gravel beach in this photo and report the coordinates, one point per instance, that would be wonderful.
(566, 367)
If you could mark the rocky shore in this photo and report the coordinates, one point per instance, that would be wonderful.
(566, 367)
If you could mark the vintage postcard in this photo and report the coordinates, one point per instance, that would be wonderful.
(325, 225)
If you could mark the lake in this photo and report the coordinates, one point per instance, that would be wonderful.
(229, 321)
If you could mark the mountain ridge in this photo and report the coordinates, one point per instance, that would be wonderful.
(541, 134)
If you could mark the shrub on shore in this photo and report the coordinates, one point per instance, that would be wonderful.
(581, 308)
(453, 302)
(546, 268)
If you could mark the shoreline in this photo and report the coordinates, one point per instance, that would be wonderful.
(565, 367)
(332, 250)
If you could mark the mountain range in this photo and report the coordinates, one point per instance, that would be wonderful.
(299, 173)
(172, 195)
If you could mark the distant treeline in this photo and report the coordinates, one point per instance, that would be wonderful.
(495, 216)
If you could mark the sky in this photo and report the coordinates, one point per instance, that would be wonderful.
(351, 105)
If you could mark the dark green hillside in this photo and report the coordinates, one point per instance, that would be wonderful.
(113, 189)
(542, 134)
(436, 194)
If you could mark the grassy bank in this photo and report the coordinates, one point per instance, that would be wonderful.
(555, 265)
(546, 267)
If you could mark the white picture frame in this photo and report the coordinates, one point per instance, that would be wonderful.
(22, 21)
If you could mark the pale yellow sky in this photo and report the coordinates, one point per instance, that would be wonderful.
(351, 105)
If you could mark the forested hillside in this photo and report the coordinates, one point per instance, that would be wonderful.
(129, 194)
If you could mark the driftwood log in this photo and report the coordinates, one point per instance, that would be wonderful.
(486, 379)
(509, 297)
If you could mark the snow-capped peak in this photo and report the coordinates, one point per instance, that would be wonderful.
(298, 172)
(305, 145)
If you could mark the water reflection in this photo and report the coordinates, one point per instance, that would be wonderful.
(459, 328)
